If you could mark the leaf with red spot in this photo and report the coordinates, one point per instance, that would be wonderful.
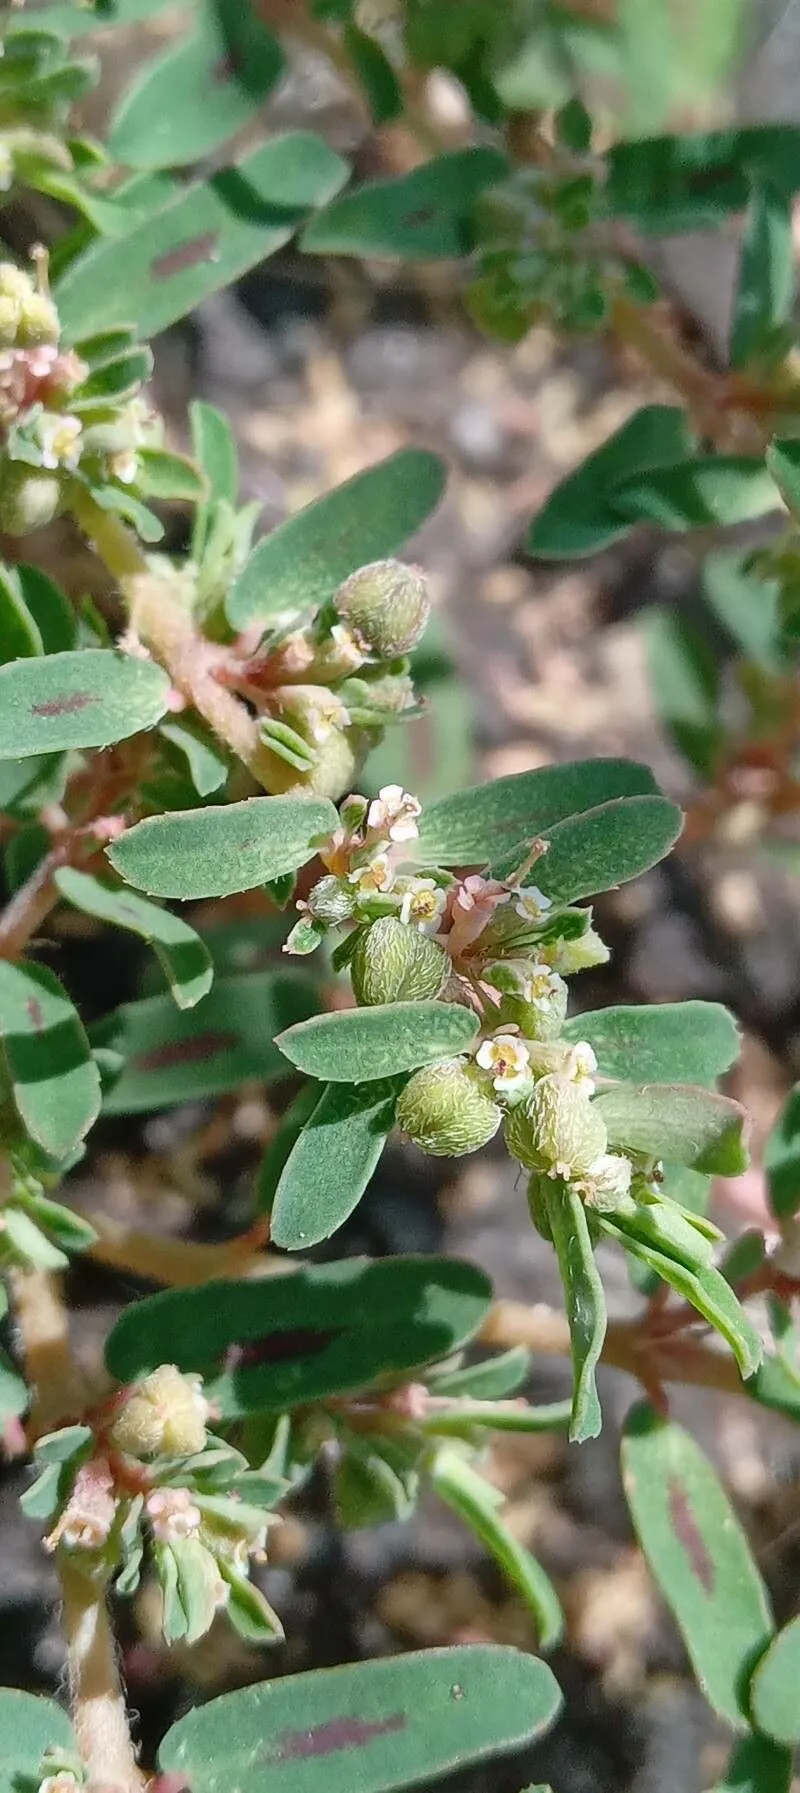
(54, 1079)
(366, 1728)
(326, 1329)
(200, 92)
(87, 698)
(426, 215)
(699, 1556)
(227, 1039)
(203, 239)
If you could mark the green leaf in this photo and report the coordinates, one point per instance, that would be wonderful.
(773, 1690)
(206, 762)
(332, 1162)
(166, 476)
(214, 448)
(376, 75)
(471, 827)
(495, 1379)
(54, 1078)
(426, 215)
(223, 848)
(579, 517)
(476, 1502)
(203, 239)
(687, 1042)
(747, 605)
(301, 564)
(282, 1144)
(185, 959)
(685, 681)
(360, 1045)
(52, 612)
(369, 1727)
(176, 1056)
(782, 1159)
(717, 491)
(699, 1557)
(691, 180)
(202, 90)
(28, 1727)
(766, 274)
(115, 379)
(607, 846)
(324, 1330)
(586, 1306)
(82, 699)
(783, 461)
(678, 1122)
(14, 1395)
(19, 636)
(757, 1765)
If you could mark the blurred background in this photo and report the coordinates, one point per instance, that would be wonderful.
(324, 366)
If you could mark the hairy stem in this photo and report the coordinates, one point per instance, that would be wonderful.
(96, 1697)
(51, 1372)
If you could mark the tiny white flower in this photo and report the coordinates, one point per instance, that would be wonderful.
(347, 648)
(172, 1514)
(125, 465)
(60, 440)
(395, 812)
(531, 903)
(423, 904)
(542, 986)
(378, 875)
(65, 1782)
(507, 1058)
(607, 1179)
(580, 1064)
(326, 714)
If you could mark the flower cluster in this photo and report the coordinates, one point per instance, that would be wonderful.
(148, 1481)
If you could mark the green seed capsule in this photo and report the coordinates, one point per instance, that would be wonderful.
(331, 901)
(394, 963)
(556, 1129)
(387, 605)
(446, 1110)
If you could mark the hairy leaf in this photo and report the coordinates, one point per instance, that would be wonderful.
(199, 92)
(28, 1727)
(367, 518)
(426, 215)
(678, 1122)
(579, 517)
(607, 846)
(585, 1302)
(688, 1042)
(223, 848)
(332, 1162)
(471, 827)
(773, 1690)
(360, 1045)
(53, 1076)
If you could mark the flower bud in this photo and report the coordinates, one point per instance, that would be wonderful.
(331, 900)
(165, 1416)
(446, 1109)
(393, 963)
(28, 500)
(556, 1129)
(387, 605)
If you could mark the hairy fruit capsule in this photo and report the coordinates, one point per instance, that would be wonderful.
(165, 1415)
(556, 1129)
(387, 605)
(447, 1110)
(394, 963)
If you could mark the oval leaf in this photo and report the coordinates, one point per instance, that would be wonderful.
(228, 1038)
(28, 1727)
(607, 846)
(203, 239)
(54, 1078)
(699, 1556)
(372, 1726)
(200, 92)
(687, 1042)
(368, 518)
(185, 959)
(332, 1162)
(473, 826)
(579, 517)
(585, 1303)
(678, 1122)
(319, 1331)
(718, 490)
(782, 1159)
(78, 699)
(360, 1045)
(223, 848)
(476, 1502)
(425, 215)
(773, 1690)
(757, 1765)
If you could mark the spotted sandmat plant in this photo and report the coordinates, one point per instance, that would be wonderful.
(206, 724)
